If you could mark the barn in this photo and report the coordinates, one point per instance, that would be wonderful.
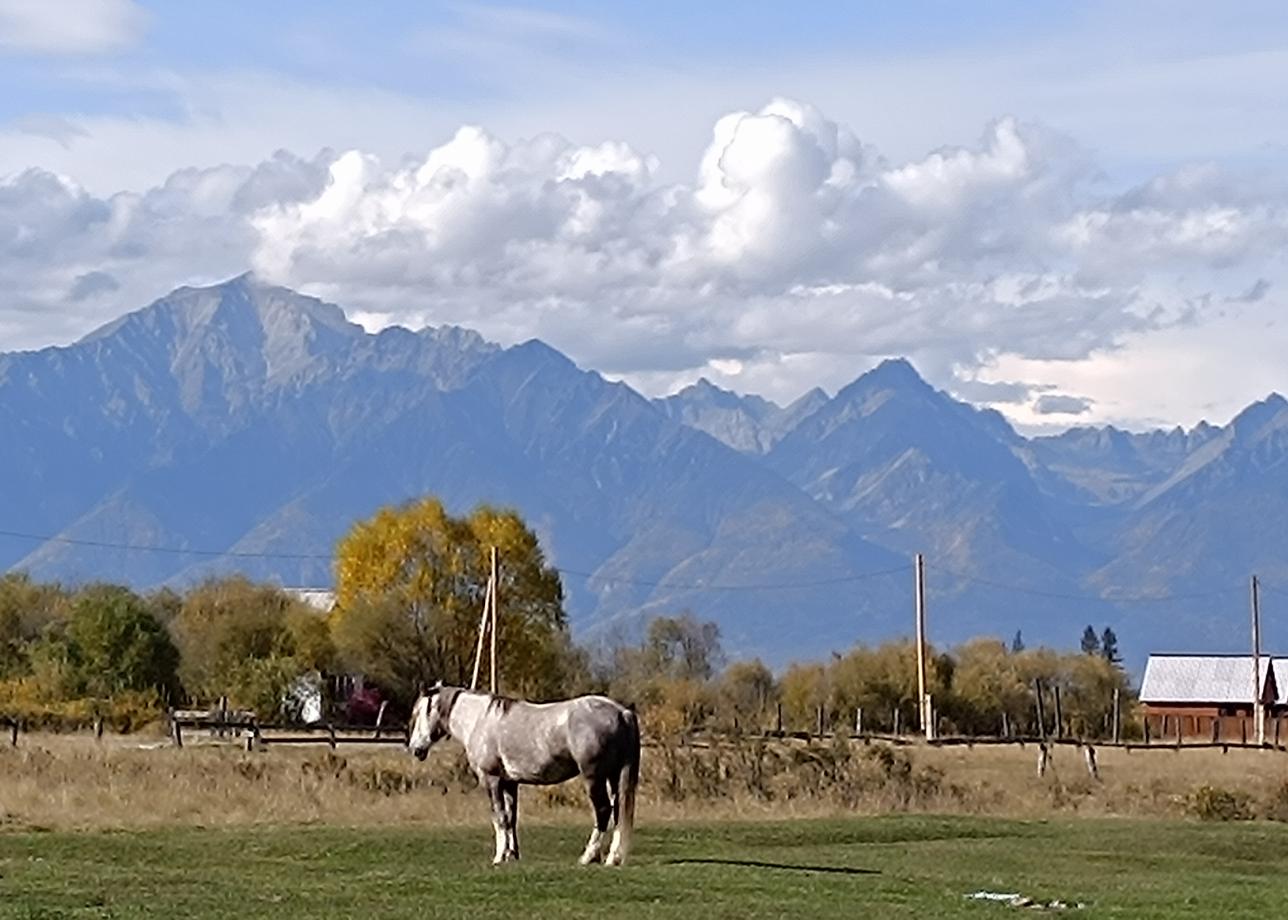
(1209, 697)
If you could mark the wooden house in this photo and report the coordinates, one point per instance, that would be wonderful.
(1209, 697)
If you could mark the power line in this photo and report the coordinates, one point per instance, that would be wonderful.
(1060, 595)
(1274, 589)
(588, 576)
(781, 586)
(170, 550)
(674, 586)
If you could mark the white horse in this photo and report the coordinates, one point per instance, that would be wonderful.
(508, 742)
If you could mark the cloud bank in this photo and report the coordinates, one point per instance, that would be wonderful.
(69, 27)
(795, 255)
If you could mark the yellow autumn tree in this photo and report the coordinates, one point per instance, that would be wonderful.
(410, 586)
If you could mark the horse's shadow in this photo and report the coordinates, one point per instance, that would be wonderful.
(757, 864)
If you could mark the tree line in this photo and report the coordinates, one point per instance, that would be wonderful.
(410, 585)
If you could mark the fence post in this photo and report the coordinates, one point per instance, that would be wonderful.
(820, 720)
(380, 715)
(1059, 713)
(13, 733)
(1117, 718)
(1006, 725)
(330, 731)
(177, 730)
(1092, 768)
(1037, 695)
(858, 723)
(779, 723)
(897, 720)
(98, 728)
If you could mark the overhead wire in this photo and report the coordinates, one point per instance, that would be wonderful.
(670, 585)
(1089, 598)
(588, 576)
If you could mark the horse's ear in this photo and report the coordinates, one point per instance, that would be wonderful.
(438, 685)
(420, 689)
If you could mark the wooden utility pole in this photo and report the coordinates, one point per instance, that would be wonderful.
(1258, 708)
(495, 585)
(483, 621)
(923, 698)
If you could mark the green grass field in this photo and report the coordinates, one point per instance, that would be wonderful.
(903, 866)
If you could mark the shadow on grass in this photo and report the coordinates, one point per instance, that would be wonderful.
(756, 864)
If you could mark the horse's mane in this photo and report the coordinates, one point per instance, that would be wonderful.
(503, 703)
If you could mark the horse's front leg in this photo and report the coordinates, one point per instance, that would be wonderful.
(510, 809)
(495, 795)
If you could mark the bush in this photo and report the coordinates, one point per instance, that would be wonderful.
(1212, 803)
(128, 711)
(1275, 807)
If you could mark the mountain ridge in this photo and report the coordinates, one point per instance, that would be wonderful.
(246, 417)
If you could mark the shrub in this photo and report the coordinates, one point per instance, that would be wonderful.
(1275, 807)
(1212, 803)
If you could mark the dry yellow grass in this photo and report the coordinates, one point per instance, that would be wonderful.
(69, 782)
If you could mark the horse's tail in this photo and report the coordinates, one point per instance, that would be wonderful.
(627, 784)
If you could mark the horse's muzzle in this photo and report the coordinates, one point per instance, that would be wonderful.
(420, 753)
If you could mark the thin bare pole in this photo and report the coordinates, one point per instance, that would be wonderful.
(478, 651)
(495, 586)
(923, 700)
(1258, 708)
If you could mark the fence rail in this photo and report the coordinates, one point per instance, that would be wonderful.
(231, 725)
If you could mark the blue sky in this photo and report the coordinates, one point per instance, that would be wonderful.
(1029, 199)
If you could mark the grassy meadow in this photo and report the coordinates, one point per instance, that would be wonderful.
(131, 827)
(893, 866)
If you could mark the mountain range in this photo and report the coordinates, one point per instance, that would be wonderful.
(245, 427)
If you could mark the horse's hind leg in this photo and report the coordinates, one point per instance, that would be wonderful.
(510, 801)
(498, 818)
(603, 805)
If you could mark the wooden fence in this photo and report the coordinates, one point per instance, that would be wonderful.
(229, 725)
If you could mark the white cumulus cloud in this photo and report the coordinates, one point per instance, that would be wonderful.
(69, 27)
(794, 255)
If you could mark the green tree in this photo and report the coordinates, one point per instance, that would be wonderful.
(684, 648)
(247, 641)
(988, 682)
(882, 679)
(1090, 641)
(747, 694)
(803, 688)
(1109, 647)
(115, 644)
(410, 585)
(1089, 685)
(27, 610)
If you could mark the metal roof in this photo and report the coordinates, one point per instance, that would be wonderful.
(322, 599)
(1209, 679)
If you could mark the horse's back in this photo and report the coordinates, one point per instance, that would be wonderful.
(600, 732)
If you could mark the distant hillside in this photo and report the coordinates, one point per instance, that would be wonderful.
(249, 420)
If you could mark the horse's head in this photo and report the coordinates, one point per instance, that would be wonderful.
(429, 719)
